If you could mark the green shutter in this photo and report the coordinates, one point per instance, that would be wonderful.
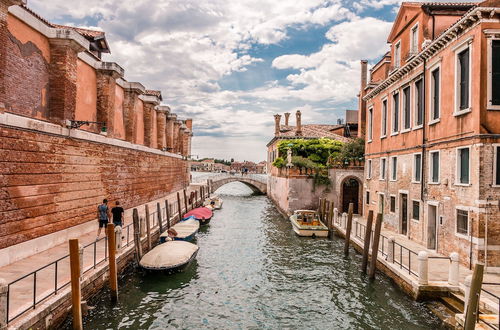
(464, 166)
(495, 74)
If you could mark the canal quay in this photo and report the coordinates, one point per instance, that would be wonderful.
(253, 272)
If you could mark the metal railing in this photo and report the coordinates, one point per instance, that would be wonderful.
(490, 325)
(404, 251)
(92, 255)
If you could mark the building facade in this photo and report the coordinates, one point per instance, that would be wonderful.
(74, 131)
(431, 120)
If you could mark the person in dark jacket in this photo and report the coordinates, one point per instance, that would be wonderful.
(103, 216)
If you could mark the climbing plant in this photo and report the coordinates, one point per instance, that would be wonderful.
(351, 151)
(317, 151)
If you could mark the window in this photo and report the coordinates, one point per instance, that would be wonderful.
(397, 55)
(367, 197)
(370, 124)
(383, 125)
(496, 165)
(417, 167)
(462, 222)
(416, 210)
(393, 204)
(414, 40)
(383, 166)
(463, 165)
(395, 112)
(435, 94)
(463, 80)
(406, 107)
(394, 168)
(369, 169)
(434, 167)
(494, 78)
(419, 103)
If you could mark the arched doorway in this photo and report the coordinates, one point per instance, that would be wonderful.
(350, 194)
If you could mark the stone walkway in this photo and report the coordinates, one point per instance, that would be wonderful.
(42, 275)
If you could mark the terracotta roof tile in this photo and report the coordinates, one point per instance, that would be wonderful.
(84, 32)
(154, 93)
(313, 131)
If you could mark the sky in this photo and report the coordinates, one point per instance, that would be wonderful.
(232, 65)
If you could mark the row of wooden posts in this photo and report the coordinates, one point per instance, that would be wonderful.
(326, 212)
(114, 245)
(473, 282)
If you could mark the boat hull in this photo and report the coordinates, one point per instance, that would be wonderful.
(308, 230)
(174, 269)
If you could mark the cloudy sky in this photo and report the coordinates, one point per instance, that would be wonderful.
(231, 65)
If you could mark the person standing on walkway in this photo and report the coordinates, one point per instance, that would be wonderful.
(103, 216)
(117, 212)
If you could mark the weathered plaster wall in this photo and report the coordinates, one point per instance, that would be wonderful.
(119, 123)
(86, 95)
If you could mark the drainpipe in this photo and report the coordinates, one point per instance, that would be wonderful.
(422, 167)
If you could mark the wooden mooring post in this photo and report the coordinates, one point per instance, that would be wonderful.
(376, 239)
(160, 216)
(148, 227)
(76, 291)
(368, 236)
(113, 272)
(185, 204)
(330, 220)
(471, 314)
(195, 198)
(167, 213)
(179, 211)
(348, 229)
(323, 210)
(137, 234)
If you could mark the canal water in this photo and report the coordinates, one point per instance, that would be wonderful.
(253, 272)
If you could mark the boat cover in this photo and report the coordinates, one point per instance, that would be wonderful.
(168, 255)
(184, 228)
(199, 213)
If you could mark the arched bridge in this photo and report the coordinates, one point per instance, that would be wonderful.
(256, 182)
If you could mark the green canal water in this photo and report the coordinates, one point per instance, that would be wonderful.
(253, 272)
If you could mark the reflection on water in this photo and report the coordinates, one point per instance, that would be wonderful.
(253, 272)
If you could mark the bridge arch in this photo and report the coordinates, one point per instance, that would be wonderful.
(256, 186)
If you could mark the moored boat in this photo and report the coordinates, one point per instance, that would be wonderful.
(202, 214)
(171, 256)
(307, 223)
(186, 231)
(214, 202)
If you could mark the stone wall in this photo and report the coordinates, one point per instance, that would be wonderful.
(53, 182)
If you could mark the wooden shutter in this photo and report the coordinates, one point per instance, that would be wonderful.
(435, 76)
(495, 72)
(464, 165)
(497, 168)
(463, 59)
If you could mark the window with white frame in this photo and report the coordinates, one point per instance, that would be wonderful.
(463, 165)
(406, 108)
(395, 112)
(417, 167)
(494, 74)
(383, 124)
(414, 40)
(463, 79)
(435, 93)
(370, 124)
(434, 167)
(462, 222)
(496, 164)
(419, 102)
(397, 55)
(394, 168)
(383, 168)
(369, 169)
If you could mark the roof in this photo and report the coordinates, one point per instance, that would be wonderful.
(154, 93)
(87, 33)
(313, 131)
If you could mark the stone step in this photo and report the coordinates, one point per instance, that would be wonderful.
(454, 304)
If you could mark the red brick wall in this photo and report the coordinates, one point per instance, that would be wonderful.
(50, 183)
(25, 61)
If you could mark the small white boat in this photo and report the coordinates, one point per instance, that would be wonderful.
(170, 256)
(186, 230)
(214, 203)
(307, 223)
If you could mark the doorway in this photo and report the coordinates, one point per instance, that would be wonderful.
(403, 215)
(432, 228)
(350, 194)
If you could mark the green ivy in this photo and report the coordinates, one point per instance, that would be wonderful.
(316, 150)
(279, 162)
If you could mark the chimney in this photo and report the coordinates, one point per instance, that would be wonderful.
(299, 123)
(287, 117)
(362, 104)
(277, 119)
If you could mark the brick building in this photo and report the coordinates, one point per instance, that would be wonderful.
(429, 114)
(72, 132)
(291, 189)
